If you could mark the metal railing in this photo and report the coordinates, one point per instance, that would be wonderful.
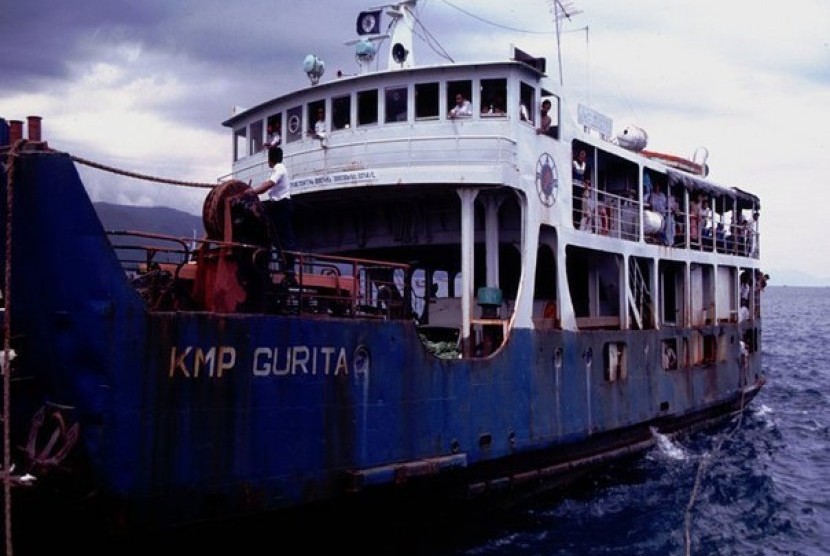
(166, 271)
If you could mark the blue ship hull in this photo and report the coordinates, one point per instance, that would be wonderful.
(181, 416)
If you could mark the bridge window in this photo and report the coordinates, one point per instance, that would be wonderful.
(527, 103)
(464, 88)
(239, 139)
(313, 113)
(274, 127)
(553, 113)
(396, 104)
(256, 137)
(341, 112)
(493, 95)
(367, 107)
(426, 101)
(295, 124)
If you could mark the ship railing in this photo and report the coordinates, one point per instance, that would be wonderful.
(730, 238)
(605, 213)
(166, 270)
(138, 257)
(341, 286)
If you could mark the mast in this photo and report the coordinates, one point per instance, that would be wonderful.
(561, 10)
(401, 27)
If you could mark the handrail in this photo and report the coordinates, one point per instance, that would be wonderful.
(317, 283)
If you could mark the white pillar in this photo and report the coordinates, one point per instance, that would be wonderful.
(491, 238)
(467, 197)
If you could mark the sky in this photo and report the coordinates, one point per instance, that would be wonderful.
(144, 86)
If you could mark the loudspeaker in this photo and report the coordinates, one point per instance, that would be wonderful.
(399, 53)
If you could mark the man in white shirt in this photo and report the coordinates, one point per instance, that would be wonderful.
(278, 205)
(462, 108)
(320, 128)
(274, 136)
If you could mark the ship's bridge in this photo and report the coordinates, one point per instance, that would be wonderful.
(396, 127)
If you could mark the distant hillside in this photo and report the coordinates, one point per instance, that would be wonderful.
(787, 277)
(159, 220)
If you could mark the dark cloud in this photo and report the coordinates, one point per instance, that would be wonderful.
(39, 37)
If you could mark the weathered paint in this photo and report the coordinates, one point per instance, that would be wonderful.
(194, 415)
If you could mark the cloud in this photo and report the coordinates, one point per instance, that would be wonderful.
(145, 85)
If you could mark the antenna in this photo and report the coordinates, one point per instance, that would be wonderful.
(561, 9)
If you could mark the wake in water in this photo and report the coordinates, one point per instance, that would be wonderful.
(668, 448)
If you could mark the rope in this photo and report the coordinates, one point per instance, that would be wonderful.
(700, 468)
(7, 300)
(114, 170)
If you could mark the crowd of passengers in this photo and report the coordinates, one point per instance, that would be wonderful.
(601, 212)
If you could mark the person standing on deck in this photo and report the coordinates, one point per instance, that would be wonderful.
(581, 169)
(589, 208)
(581, 174)
(694, 220)
(278, 205)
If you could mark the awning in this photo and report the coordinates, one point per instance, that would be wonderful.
(695, 183)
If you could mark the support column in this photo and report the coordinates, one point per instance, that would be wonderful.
(468, 197)
(625, 290)
(491, 238)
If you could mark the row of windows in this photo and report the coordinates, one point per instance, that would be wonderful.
(424, 99)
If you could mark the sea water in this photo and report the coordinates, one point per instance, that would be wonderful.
(764, 484)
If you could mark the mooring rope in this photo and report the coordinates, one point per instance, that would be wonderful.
(114, 170)
(701, 466)
(7, 317)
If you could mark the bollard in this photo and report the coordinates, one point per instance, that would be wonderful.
(34, 128)
(15, 131)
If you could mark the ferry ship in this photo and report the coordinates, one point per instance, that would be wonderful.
(478, 303)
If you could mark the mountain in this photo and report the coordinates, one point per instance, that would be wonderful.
(159, 220)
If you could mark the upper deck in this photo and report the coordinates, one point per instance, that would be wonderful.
(393, 128)
(396, 124)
